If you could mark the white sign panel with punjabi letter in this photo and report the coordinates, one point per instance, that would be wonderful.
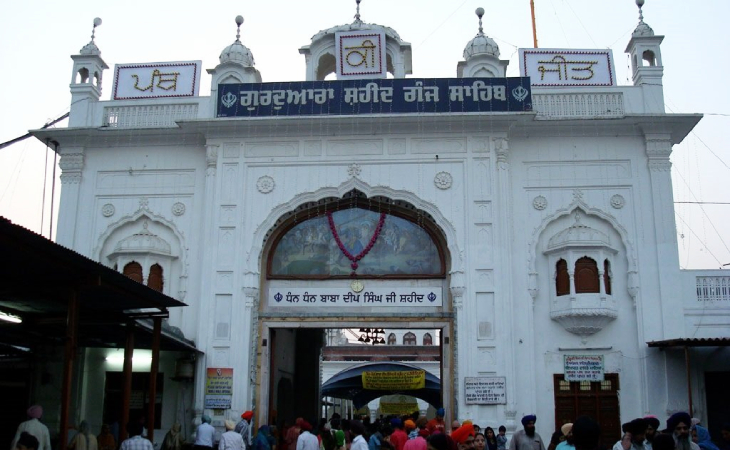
(360, 54)
(485, 390)
(335, 297)
(553, 67)
(583, 367)
(155, 80)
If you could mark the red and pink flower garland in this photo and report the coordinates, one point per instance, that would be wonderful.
(365, 251)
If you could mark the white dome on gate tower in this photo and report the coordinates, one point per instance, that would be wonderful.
(481, 44)
(320, 53)
(481, 56)
(237, 52)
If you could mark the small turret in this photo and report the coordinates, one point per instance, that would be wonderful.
(236, 63)
(644, 49)
(481, 56)
(88, 69)
(321, 54)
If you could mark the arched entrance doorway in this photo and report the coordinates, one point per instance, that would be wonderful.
(346, 263)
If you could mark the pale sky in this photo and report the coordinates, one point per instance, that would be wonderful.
(37, 38)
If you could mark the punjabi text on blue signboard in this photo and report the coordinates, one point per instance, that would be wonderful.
(382, 96)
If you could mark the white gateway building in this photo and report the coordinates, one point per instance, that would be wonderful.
(527, 222)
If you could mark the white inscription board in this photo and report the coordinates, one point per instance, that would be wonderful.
(360, 54)
(485, 390)
(583, 367)
(562, 67)
(155, 80)
(314, 298)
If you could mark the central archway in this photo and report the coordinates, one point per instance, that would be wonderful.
(348, 261)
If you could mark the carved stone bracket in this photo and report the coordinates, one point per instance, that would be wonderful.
(71, 165)
(251, 288)
(532, 286)
(211, 159)
(658, 150)
(457, 288)
(584, 321)
(501, 146)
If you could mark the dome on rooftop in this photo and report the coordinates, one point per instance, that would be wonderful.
(357, 25)
(642, 29)
(90, 49)
(237, 53)
(481, 45)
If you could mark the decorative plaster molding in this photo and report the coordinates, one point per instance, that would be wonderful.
(265, 227)
(443, 180)
(71, 165)
(501, 146)
(211, 159)
(578, 195)
(658, 150)
(618, 201)
(108, 210)
(96, 255)
(660, 165)
(354, 170)
(580, 203)
(178, 208)
(633, 285)
(539, 203)
(144, 204)
(71, 162)
(584, 321)
(533, 286)
(265, 184)
(457, 287)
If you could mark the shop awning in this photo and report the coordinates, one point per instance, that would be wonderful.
(37, 279)
(691, 342)
(65, 299)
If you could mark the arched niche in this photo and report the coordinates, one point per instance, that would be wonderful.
(376, 238)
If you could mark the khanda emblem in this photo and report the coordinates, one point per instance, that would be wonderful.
(228, 99)
(520, 93)
(363, 54)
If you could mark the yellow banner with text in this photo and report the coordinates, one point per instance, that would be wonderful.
(394, 380)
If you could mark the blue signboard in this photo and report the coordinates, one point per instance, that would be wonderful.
(382, 96)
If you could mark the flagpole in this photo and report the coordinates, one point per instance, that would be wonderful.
(534, 28)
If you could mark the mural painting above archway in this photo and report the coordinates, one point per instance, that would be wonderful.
(356, 241)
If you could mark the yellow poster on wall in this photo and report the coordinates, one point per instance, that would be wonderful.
(398, 409)
(394, 380)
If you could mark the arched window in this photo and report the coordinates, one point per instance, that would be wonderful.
(607, 276)
(562, 279)
(155, 280)
(391, 339)
(586, 276)
(134, 271)
(649, 57)
(410, 339)
(427, 339)
(374, 238)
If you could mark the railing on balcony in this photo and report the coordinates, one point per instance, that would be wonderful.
(149, 116)
(578, 106)
(713, 289)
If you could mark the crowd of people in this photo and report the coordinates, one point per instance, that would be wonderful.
(388, 433)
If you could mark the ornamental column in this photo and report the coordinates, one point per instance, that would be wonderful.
(457, 288)
(662, 272)
(208, 251)
(71, 165)
(504, 280)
